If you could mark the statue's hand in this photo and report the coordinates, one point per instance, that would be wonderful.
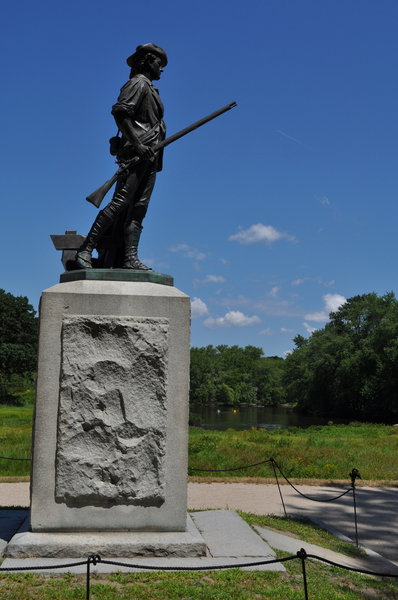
(144, 151)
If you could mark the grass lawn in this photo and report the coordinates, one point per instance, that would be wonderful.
(15, 439)
(306, 530)
(326, 453)
(320, 452)
(324, 582)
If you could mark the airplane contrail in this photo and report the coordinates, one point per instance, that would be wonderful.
(293, 139)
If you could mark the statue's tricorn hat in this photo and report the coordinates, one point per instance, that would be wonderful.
(145, 49)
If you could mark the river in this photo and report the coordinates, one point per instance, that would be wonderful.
(245, 417)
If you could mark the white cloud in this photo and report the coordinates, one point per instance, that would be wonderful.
(273, 307)
(318, 280)
(149, 261)
(273, 292)
(233, 318)
(322, 315)
(298, 281)
(309, 328)
(332, 302)
(259, 233)
(286, 330)
(265, 331)
(214, 279)
(287, 352)
(188, 252)
(198, 308)
(154, 263)
(325, 201)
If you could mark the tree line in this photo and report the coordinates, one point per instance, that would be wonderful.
(349, 368)
(18, 342)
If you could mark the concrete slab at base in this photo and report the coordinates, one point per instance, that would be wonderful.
(229, 540)
(227, 534)
(108, 544)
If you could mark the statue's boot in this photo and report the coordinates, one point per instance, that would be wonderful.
(99, 227)
(132, 238)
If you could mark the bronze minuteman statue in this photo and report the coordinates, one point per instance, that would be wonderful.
(138, 113)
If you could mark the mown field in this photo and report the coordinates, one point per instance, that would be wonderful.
(319, 452)
(328, 452)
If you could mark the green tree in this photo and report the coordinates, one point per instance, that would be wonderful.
(233, 375)
(350, 367)
(269, 380)
(18, 337)
(225, 394)
(203, 375)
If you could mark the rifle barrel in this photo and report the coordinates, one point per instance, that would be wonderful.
(179, 134)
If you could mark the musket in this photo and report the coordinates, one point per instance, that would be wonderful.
(99, 194)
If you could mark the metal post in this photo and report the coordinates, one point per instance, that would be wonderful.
(303, 555)
(93, 558)
(279, 487)
(88, 578)
(355, 514)
(355, 474)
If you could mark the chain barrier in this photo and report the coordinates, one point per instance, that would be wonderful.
(304, 495)
(274, 464)
(279, 487)
(353, 475)
(263, 462)
(205, 568)
(64, 566)
(94, 559)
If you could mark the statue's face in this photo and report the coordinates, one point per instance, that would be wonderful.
(155, 66)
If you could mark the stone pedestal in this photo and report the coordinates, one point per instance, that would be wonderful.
(111, 421)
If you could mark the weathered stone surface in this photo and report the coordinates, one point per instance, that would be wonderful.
(112, 411)
(131, 300)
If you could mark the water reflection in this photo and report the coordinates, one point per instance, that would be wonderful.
(245, 417)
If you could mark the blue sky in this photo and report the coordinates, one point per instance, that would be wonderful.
(268, 217)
